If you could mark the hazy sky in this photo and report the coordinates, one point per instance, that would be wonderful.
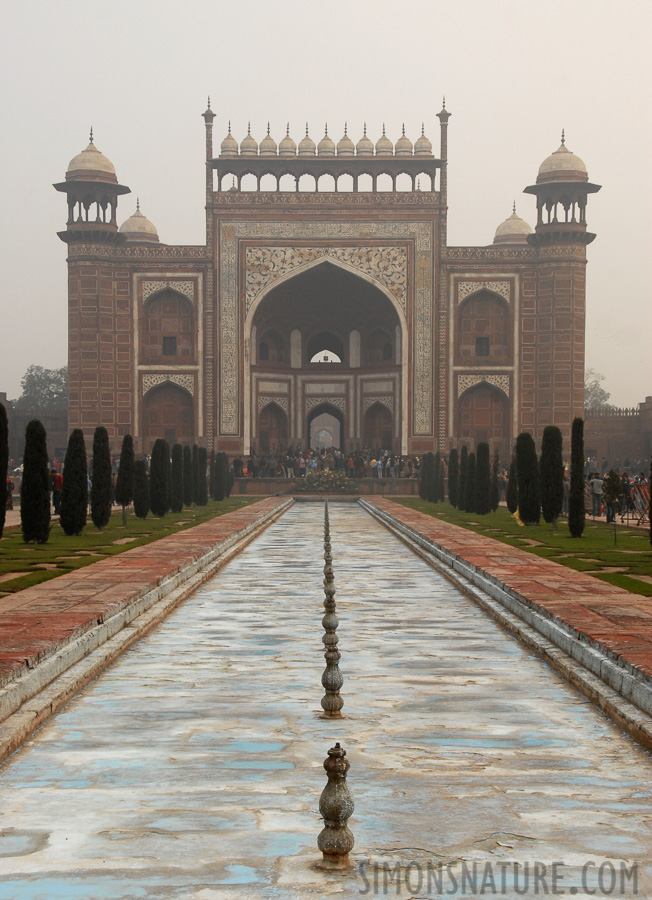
(514, 73)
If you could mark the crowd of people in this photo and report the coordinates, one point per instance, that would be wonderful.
(297, 463)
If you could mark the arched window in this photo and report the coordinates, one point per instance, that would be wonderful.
(167, 329)
(325, 347)
(484, 332)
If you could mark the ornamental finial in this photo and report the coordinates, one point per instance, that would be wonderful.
(563, 137)
(91, 135)
(137, 204)
(514, 208)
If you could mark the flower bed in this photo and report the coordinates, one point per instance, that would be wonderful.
(325, 483)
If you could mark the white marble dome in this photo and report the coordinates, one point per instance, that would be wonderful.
(365, 146)
(514, 230)
(138, 228)
(384, 146)
(91, 165)
(562, 165)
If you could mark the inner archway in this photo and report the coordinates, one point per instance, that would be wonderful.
(484, 416)
(168, 412)
(272, 429)
(325, 427)
(378, 428)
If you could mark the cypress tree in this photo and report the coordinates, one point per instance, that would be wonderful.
(511, 495)
(187, 476)
(441, 480)
(221, 475)
(4, 462)
(124, 486)
(141, 489)
(158, 478)
(230, 477)
(195, 474)
(101, 488)
(211, 475)
(168, 476)
(35, 490)
(494, 497)
(453, 477)
(576, 507)
(437, 474)
(202, 463)
(469, 484)
(176, 500)
(552, 474)
(483, 480)
(431, 479)
(529, 493)
(461, 482)
(74, 492)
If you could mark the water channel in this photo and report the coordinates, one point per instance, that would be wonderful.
(193, 766)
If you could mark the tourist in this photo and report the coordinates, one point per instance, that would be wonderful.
(596, 485)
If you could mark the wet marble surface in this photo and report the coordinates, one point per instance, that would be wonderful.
(192, 767)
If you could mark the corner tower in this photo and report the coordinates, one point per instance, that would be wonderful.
(554, 315)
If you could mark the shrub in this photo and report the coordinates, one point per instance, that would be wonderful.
(124, 486)
(74, 492)
(552, 474)
(529, 494)
(576, 508)
(176, 500)
(158, 478)
(187, 476)
(453, 477)
(101, 487)
(483, 480)
(4, 462)
(511, 495)
(35, 490)
(141, 489)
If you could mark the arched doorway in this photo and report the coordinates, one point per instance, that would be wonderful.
(272, 429)
(325, 427)
(483, 415)
(341, 332)
(378, 427)
(168, 412)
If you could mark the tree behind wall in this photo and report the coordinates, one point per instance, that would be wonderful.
(176, 500)
(159, 478)
(74, 493)
(101, 488)
(576, 508)
(461, 482)
(35, 489)
(453, 477)
(187, 476)
(124, 485)
(469, 484)
(552, 474)
(4, 462)
(511, 495)
(141, 489)
(483, 480)
(529, 492)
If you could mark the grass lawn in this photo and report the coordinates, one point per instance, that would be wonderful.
(22, 565)
(627, 565)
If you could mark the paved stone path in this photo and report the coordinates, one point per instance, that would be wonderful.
(613, 619)
(38, 621)
(192, 767)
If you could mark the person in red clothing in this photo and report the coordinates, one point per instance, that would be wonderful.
(57, 484)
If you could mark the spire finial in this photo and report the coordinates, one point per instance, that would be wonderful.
(326, 129)
(306, 129)
(514, 208)
(403, 129)
(345, 127)
(91, 135)
(383, 129)
(563, 137)
(268, 129)
(137, 204)
(423, 130)
(418, 184)
(233, 183)
(229, 126)
(209, 101)
(287, 130)
(248, 127)
(443, 102)
(365, 129)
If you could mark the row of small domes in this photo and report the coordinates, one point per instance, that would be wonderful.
(326, 147)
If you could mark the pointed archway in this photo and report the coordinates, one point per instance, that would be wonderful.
(378, 428)
(327, 418)
(272, 429)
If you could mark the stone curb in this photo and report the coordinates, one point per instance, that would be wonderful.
(34, 696)
(623, 692)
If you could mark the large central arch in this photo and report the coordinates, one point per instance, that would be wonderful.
(364, 331)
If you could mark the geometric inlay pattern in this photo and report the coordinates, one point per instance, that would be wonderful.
(464, 382)
(464, 288)
(386, 401)
(265, 401)
(337, 402)
(184, 381)
(187, 288)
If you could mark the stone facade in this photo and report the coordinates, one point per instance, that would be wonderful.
(340, 302)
